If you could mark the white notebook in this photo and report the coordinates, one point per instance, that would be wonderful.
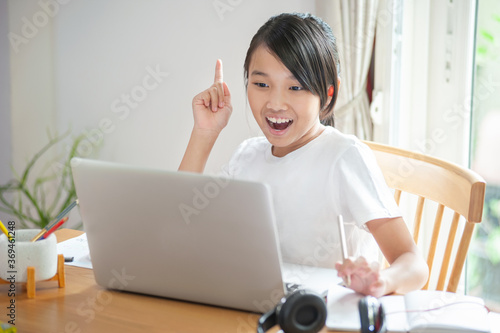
(417, 311)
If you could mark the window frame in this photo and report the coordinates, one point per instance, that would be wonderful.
(423, 81)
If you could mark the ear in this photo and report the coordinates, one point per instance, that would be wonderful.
(331, 92)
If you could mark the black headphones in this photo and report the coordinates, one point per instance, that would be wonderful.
(372, 315)
(300, 312)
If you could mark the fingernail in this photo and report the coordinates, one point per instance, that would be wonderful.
(221, 104)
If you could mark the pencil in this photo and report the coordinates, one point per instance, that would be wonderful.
(343, 246)
(57, 219)
(54, 228)
(5, 231)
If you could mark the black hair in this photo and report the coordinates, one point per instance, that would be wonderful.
(306, 46)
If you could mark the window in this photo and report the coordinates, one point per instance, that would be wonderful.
(483, 270)
(444, 95)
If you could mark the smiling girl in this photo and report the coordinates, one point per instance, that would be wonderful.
(316, 173)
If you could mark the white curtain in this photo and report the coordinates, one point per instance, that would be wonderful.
(353, 24)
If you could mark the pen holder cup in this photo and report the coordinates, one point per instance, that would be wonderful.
(42, 255)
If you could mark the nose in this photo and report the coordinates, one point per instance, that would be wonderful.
(277, 100)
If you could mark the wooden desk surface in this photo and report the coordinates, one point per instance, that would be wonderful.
(83, 306)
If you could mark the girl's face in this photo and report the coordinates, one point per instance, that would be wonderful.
(286, 113)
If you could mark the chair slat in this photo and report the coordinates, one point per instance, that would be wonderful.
(397, 196)
(418, 218)
(447, 252)
(460, 256)
(434, 240)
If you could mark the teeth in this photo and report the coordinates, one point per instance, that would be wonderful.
(278, 120)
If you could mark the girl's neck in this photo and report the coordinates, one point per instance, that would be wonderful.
(308, 137)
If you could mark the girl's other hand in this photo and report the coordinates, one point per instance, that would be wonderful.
(212, 107)
(365, 277)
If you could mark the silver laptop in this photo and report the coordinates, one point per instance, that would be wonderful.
(185, 236)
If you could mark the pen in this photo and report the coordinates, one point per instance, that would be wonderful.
(5, 231)
(58, 218)
(343, 246)
(54, 228)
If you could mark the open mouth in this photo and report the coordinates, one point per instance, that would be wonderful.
(279, 124)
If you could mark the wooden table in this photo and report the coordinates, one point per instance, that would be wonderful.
(83, 306)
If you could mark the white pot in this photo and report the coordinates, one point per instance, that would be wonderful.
(41, 254)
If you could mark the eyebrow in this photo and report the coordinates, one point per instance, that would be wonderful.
(257, 72)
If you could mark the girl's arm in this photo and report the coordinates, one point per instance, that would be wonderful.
(211, 110)
(198, 150)
(408, 271)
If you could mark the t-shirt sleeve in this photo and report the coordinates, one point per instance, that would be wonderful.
(363, 192)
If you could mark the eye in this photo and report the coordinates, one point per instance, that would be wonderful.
(296, 88)
(261, 85)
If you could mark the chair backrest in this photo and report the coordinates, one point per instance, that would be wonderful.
(448, 185)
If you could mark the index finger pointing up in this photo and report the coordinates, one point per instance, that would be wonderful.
(218, 72)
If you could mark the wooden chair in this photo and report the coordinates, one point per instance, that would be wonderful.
(450, 187)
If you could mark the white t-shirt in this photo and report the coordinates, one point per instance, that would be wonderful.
(331, 175)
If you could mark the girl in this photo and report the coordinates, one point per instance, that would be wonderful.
(316, 173)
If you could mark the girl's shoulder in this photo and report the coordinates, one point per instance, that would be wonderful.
(349, 149)
(341, 142)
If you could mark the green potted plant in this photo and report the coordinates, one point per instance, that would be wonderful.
(31, 198)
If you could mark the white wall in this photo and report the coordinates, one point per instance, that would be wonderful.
(31, 84)
(74, 72)
(436, 79)
(5, 129)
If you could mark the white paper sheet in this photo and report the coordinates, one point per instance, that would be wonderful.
(78, 248)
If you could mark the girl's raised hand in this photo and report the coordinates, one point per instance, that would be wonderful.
(212, 107)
